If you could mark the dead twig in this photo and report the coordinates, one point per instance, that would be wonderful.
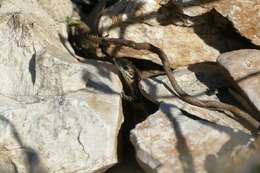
(249, 121)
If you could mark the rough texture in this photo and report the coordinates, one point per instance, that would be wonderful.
(58, 9)
(244, 15)
(169, 142)
(199, 80)
(242, 67)
(56, 115)
(145, 21)
(183, 138)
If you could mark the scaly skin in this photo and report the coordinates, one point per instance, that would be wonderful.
(131, 77)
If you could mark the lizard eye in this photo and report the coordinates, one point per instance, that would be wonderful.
(131, 73)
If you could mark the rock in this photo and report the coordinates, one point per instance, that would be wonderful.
(244, 15)
(243, 159)
(58, 9)
(183, 138)
(147, 21)
(56, 115)
(201, 81)
(242, 68)
(169, 141)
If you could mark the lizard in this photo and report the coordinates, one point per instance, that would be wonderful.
(250, 122)
(127, 69)
(132, 77)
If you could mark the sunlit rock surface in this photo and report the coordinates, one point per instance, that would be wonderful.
(242, 68)
(56, 114)
(148, 21)
(244, 15)
(184, 138)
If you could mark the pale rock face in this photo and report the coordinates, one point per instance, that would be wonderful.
(244, 15)
(200, 81)
(146, 21)
(183, 138)
(56, 115)
(242, 68)
(58, 9)
(170, 142)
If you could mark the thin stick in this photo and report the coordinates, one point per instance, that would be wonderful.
(249, 121)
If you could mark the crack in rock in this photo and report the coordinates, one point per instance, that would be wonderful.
(81, 144)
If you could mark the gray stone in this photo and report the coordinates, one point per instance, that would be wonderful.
(242, 68)
(143, 21)
(169, 141)
(56, 114)
(58, 9)
(183, 138)
(244, 15)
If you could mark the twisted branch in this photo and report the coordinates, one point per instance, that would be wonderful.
(249, 121)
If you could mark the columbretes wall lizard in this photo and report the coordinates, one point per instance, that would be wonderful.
(134, 95)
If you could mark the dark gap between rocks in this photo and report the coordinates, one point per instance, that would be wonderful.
(226, 37)
(134, 113)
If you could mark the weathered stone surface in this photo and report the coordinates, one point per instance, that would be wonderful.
(244, 15)
(243, 69)
(243, 159)
(58, 9)
(199, 80)
(144, 21)
(169, 141)
(56, 115)
(183, 138)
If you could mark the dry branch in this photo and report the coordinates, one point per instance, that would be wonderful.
(248, 120)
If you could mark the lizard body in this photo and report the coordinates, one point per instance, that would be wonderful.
(130, 75)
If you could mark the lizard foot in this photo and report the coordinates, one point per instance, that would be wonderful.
(126, 97)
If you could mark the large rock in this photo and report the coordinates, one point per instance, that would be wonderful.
(242, 68)
(183, 138)
(58, 9)
(56, 115)
(244, 15)
(171, 142)
(201, 81)
(147, 21)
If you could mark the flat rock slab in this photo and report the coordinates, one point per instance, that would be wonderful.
(200, 81)
(183, 138)
(170, 142)
(144, 21)
(244, 15)
(242, 68)
(56, 115)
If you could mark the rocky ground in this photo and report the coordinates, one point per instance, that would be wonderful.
(63, 99)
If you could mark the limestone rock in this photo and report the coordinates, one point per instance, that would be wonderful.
(146, 21)
(242, 68)
(58, 9)
(183, 138)
(169, 142)
(244, 15)
(201, 81)
(243, 159)
(56, 115)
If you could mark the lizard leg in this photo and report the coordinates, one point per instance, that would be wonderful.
(126, 97)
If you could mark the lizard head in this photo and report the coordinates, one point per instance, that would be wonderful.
(126, 68)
